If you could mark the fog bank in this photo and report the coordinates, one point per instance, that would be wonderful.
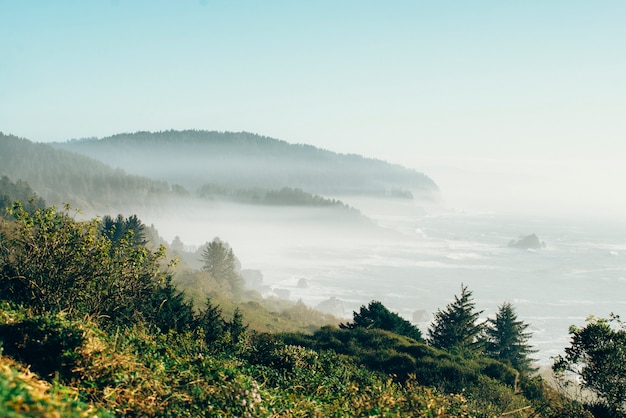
(574, 188)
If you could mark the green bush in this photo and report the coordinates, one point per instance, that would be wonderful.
(49, 344)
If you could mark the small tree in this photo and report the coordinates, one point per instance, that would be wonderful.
(506, 339)
(598, 356)
(219, 260)
(211, 321)
(376, 315)
(456, 327)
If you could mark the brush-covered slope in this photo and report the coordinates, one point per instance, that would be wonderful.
(245, 161)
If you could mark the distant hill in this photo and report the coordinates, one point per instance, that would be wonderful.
(60, 176)
(246, 161)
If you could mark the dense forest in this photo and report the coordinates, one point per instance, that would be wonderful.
(96, 320)
(240, 160)
(62, 176)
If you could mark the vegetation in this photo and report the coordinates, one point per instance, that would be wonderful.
(60, 176)
(11, 192)
(377, 316)
(597, 356)
(286, 196)
(506, 339)
(456, 327)
(244, 161)
(91, 308)
(219, 262)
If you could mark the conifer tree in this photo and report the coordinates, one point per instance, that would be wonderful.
(219, 260)
(456, 327)
(506, 339)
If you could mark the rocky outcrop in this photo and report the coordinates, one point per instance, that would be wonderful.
(529, 242)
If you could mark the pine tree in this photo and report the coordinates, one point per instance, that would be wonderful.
(456, 327)
(212, 323)
(219, 260)
(506, 339)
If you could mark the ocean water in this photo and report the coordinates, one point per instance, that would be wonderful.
(419, 261)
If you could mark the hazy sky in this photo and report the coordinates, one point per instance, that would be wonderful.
(527, 99)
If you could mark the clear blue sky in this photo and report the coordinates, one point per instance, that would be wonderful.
(478, 83)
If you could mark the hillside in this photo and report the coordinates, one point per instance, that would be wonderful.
(92, 325)
(246, 161)
(60, 176)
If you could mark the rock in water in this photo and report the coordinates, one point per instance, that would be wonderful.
(529, 242)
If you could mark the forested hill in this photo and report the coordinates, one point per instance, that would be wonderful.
(244, 160)
(60, 176)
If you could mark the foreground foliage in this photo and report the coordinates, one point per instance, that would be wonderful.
(95, 315)
(597, 355)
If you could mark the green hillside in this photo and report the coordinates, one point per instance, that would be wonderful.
(95, 317)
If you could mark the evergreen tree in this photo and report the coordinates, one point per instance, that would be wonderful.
(506, 339)
(236, 328)
(170, 309)
(456, 327)
(376, 315)
(219, 260)
(212, 323)
(130, 229)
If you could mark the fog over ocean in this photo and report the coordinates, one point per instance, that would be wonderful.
(419, 261)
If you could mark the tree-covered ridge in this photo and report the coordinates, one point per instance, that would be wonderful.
(60, 176)
(283, 197)
(10, 192)
(243, 160)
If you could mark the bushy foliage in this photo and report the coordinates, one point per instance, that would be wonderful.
(23, 394)
(53, 263)
(396, 355)
(47, 343)
(376, 315)
(597, 355)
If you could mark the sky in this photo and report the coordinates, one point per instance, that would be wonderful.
(506, 105)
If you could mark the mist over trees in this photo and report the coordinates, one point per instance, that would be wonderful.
(59, 177)
(240, 160)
